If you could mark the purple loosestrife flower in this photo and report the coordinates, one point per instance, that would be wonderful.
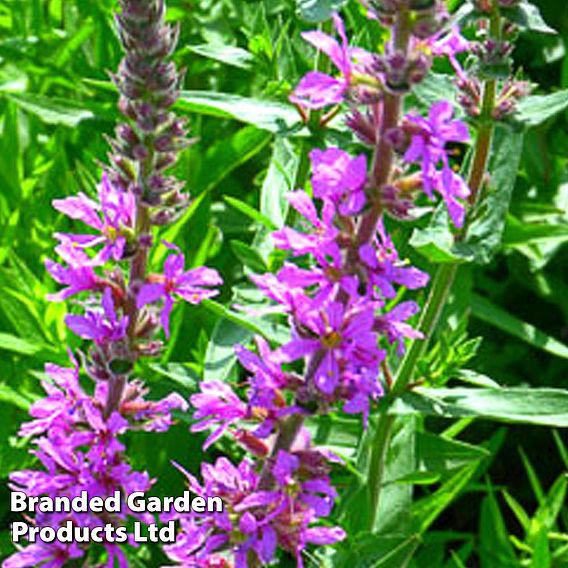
(321, 241)
(52, 555)
(216, 404)
(100, 327)
(339, 178)
(187, 284)
(393, 324)
(344, 339)
(79, 450)
(112, 216)
(384, 268)
(150, 415)
(450, 45)
(219, 408)
(78, 276)
(318, 90)
(58, 410)
(328, 280)
(429, 137)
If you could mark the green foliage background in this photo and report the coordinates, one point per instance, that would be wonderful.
(55, 105)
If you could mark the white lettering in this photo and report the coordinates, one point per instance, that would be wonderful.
(135, 502)
(19, 529)
(18, 501)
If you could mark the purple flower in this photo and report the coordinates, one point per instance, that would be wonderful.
(113, 217)
(449, 44)
(340, 178)
(78, 276)
(47, 555)
(327, 280)
(150, 415)
(318, 90)
(188, 285)
(393, 324)
(217, 405)
(343, 336)
(429, 137)
(384, 268)
(100, 327)
(58, 411)
(320, 241)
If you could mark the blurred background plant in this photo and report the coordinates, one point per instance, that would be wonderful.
(495, 496)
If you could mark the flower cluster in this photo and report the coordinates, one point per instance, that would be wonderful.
(122, 305)
(418, 140)
(257, 519)
(339, 290)
(341, 325)
(79, 450)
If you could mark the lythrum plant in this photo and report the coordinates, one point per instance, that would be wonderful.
(404, 155)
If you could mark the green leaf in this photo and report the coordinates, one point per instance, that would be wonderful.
(534, 480)
(484, 310)
(10, 396)
(220, 358)
(528, 17)
(518, 233)
(541, 552)
(495, 549)
(548, 511)
(279, 180)
(318, 10)
(436, 241)
(436, 87)
(542, 407)
(438, 454)
(228, 154)
(264, 114)
(251, 212)
(484, 234)
(396, 499)
(238, 319)
(426, 510)
(249, 256)
(374, 551)
(178, 373)
(517, 510)
(9, 342)
(228, 54)
(537, 109)
(64, 112)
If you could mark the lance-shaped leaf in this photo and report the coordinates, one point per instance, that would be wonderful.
(542, 407)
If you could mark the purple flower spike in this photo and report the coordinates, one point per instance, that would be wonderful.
(259, 519)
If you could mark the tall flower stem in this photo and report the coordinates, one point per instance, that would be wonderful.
(381, 171)
(440, 288)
